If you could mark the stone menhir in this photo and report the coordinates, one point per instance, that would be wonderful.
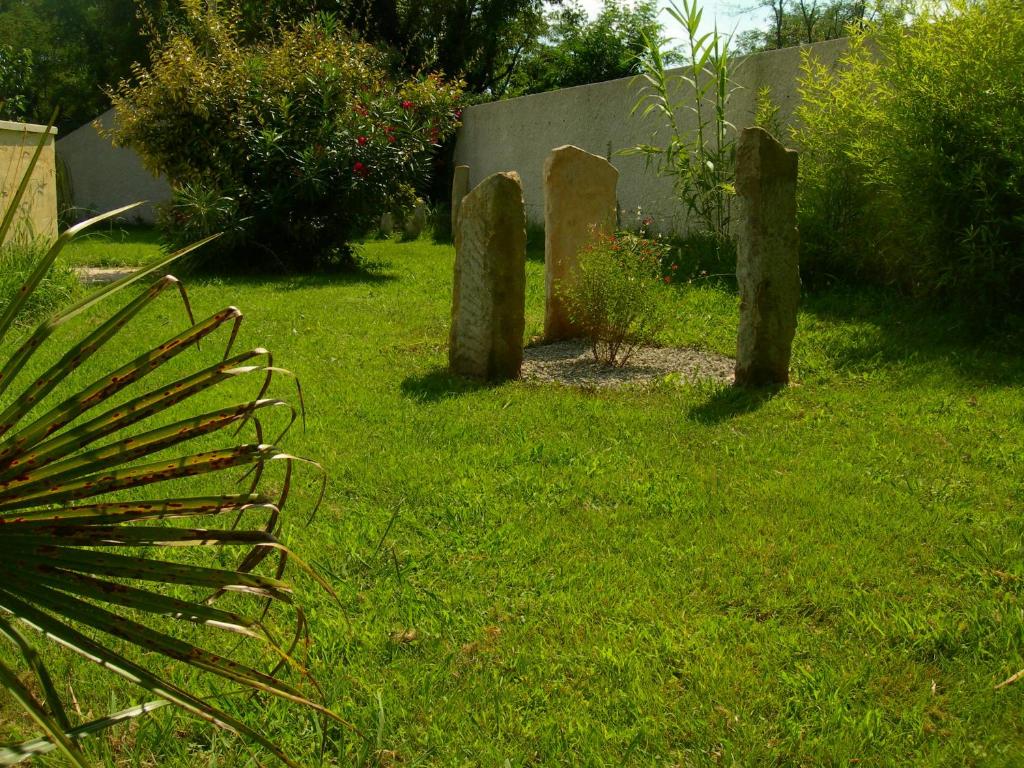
(767, 260)
(579, 201)
(489, 299)
(415, 221)
(460, 188)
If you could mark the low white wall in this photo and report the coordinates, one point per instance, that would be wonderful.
(105, 177)
(518, 134)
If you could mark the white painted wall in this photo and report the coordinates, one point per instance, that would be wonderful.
(105, 177)
(517, 134)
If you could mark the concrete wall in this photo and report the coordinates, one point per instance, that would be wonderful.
(104, 177)
(38, 209)
(517, 134)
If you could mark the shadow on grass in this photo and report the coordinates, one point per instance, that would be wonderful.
(439, 384)
(367, 273)
(728, 402)
(908, 331)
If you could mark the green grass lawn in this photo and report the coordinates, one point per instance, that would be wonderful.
(113, 246)
(667, 576)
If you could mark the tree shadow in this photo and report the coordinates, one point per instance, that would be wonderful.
(366, 273)
(902, 330)
(439, 384)
(728, 402)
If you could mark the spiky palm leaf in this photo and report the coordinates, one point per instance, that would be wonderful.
(77, 564)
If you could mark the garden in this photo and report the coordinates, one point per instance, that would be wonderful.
(341, 552)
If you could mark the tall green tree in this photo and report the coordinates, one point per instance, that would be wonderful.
(15, 82)
(576, 50)
(77, 48)
(796, 22)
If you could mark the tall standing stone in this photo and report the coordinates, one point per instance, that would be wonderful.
(460, 188)
(579, 200)
(489, 300)
(767, 265)
(415, 221)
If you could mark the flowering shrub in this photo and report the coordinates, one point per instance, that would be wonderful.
(615, 296)
(292, 147)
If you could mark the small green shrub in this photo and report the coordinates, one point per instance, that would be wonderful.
(616, 296)
(912, 165)
(293, 147)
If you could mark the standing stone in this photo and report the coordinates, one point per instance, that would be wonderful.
(460, 187)
(387, 224)
(579, 201)
(489, 301)
(767, 263)
(416, 221)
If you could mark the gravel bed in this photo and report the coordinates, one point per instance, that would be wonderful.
(100, 275)
(571, 363)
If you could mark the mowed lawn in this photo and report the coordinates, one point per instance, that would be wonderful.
(668, 576)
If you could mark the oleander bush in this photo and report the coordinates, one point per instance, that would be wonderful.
(291, 147)
(912, 164)
(615, 296)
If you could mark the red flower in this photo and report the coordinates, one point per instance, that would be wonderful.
(458, 114)
(668, 279)
(391, 138)
(362, 141)
(360, 170)
(406, 104)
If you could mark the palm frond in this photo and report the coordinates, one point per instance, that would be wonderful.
(96, 574)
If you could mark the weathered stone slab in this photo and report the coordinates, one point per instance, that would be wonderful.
(767, 266)
(387, 224)
(460, 188)
(489, 298)
(579, 200)
(416, 221)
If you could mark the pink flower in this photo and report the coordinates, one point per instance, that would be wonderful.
(362, 141)
(360, 170)
(406, 104)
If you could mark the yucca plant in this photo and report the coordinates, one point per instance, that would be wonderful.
(81, 519)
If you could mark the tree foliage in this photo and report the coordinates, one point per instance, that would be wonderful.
(76, 49)
(479, 41)
(796, 22)
(575, 50)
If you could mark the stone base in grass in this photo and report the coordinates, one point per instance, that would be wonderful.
(571, 363)
(101, 275)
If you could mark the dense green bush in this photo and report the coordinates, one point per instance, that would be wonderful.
(615, 295)
(291, 147)
(912, 169)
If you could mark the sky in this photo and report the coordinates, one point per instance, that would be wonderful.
(730, 14)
